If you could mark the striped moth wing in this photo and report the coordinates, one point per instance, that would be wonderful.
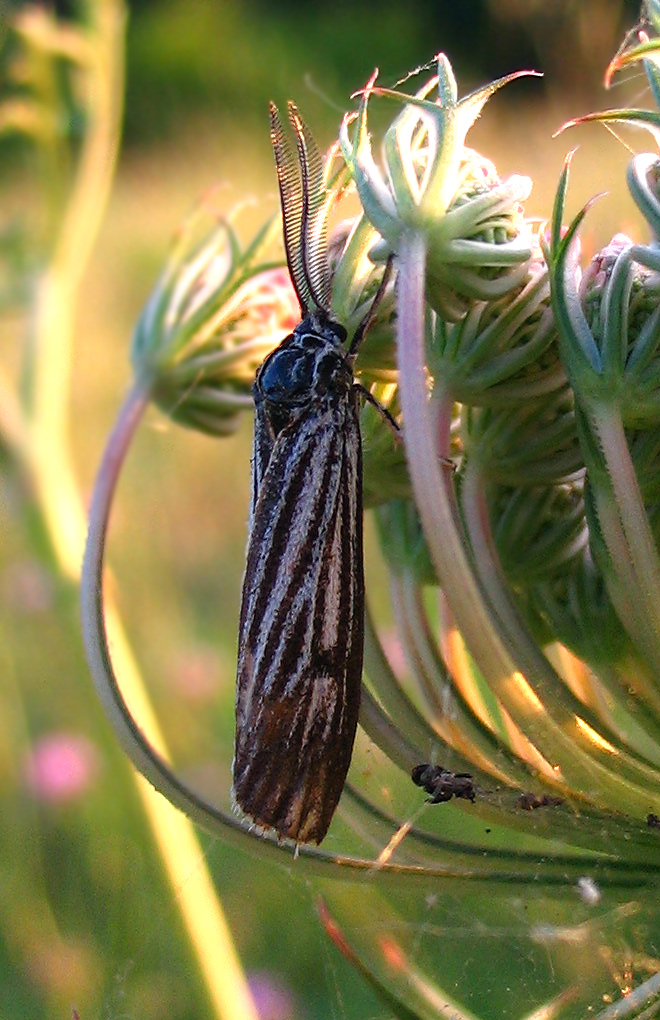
(301, 633)
(302, 614)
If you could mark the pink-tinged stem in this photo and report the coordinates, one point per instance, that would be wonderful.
(576, 760)
(427, 470)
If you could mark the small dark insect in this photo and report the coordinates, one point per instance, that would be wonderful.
(301, 630)
(443, 785)
(532, 801)
(653, 821)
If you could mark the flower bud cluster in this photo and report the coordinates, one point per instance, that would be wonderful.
(215, 313)
(431, 183)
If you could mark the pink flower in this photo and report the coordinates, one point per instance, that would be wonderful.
(60, 767)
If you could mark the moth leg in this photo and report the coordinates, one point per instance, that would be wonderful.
(392, 422)
(363, 328)
(382, 410)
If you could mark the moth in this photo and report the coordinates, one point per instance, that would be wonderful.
(301, 631)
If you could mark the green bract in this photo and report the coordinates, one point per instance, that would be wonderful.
(215, 313)
(430, 183)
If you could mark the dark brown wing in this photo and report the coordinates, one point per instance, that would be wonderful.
(262, 448)
(301, 628)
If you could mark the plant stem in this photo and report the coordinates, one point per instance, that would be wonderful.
(172, 831)
(555, 694)
(628, 535)
(579, 761)
(49, 369)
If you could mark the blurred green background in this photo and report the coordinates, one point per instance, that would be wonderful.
(87, 919)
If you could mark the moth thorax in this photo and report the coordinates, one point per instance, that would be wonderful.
(286, 377)
(305, 365)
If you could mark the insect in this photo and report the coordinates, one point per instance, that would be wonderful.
(533, 801)
(301, 630)
(443, 785)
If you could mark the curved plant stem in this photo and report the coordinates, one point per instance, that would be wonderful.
(631, 544)
(512, 743)
(412, 724)
(580, 762)
(426, 665)
(51, 351)
(181, 854)
(381, 730)
(549, 685)
(456, 719)
(101, 630)
(449, 555)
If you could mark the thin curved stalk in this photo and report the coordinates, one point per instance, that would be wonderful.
(642, 571)
(487, 759)
(426, 665)
(548, 685)
(42, 450)
(424, 458)
(580, 763)
(198, 901)
(509, 736)
(384, 734)
(411, 723)
(466, 745)
(456, 718)
(51, 350)
(426, 668)
(99, 621)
